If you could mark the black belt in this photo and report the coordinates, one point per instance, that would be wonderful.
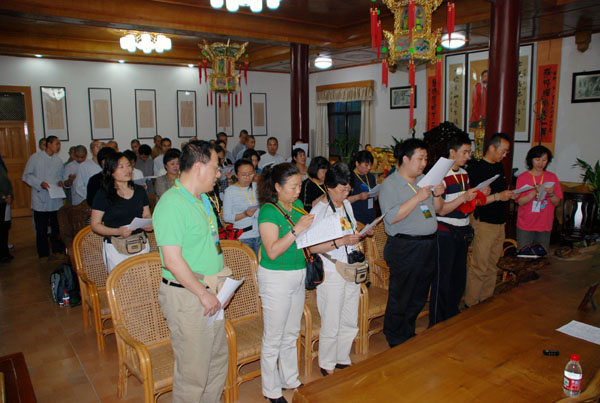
(172, 283)
(247, 229)
(415, 237)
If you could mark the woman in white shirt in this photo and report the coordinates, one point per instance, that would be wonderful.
(240, 204)
(337, 299)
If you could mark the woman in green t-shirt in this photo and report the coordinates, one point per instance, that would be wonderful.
(281, 276)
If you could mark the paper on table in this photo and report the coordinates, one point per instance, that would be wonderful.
(325, 227)
(581, 331)
(139, 223)
(522, 189)
(542, 193)
(229, 287)
(374, 191)
(487, 182)
(56, 192)
(437, 173)
(368, 227)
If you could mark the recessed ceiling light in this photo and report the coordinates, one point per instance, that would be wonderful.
(121, 61)
(191, 66)
(39, 56)
(323, 62)
(456, 41)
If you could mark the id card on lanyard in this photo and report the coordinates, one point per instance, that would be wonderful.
(424, 209)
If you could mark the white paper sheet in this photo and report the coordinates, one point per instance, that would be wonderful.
(229, 288)
(581, 331)
(437, 173)
(56, 192)
(139, 223)
(525, 188)
(325, 227)
(542, 193)
(368, 227)
(374, 191)
(487, 182)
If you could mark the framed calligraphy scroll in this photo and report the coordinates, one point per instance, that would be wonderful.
(455, 71)
(101, 117)
(54, 112)
(586, 87)
(547, 81)
(434, 103)
(186, 114)
(145, 113)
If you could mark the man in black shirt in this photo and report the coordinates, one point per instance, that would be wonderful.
(95, 181)
(489, 221)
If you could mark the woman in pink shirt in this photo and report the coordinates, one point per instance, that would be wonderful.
(536, 206)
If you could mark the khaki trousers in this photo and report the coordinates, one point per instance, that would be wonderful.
(482, 272)
(200, 351)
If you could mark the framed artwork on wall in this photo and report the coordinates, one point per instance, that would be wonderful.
(454, 105)
(101, 118)
(400, 97)
(258, 113)
(586, 87)
(54, 112)
(224, 117)
(145, 113)
(186, 114)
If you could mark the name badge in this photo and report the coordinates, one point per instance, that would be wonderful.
(217, 243)
(346, 225)
(536, 207)
(425, 211)
(370, 203)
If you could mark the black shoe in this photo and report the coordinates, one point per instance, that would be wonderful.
(324, 372)
(342, 366)
(278, 400)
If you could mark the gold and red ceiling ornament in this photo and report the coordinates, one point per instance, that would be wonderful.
(223, 80)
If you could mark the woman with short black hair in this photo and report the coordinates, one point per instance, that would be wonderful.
(313, 187)
(364, 181)
(171, 163)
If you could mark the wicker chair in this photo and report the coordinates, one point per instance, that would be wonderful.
(373, 299)
(92, 273)
(309, 330)
(143, 338)
(243, 317)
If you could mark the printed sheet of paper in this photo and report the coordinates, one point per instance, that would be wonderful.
(372, 225)
(230, 286)
(375, 191)
(542, 193)
(325, 227)
(437, 173)
(581, 331)
(139, 223)
(522, 189)
(56, 192)
(487, 182)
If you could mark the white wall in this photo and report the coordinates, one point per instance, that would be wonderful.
(124, 78)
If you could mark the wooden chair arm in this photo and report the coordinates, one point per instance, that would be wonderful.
(230, 334)
(141, 352)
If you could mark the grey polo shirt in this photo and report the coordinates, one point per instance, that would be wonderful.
(394, 192)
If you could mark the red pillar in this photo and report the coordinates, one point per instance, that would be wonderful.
(503, 73)
(299, 91)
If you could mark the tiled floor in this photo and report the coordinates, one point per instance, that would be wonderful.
(62, 356)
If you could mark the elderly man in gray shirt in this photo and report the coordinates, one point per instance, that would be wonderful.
(411, 248)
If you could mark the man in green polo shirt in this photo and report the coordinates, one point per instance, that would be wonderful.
(187, 234)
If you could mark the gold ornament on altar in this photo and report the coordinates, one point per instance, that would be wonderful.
(479, 140)
(223, 78)
(383, 159)
(421, 46)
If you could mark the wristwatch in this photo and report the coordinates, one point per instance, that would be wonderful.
(293, 232)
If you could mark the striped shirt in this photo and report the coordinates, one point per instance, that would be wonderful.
(456, 183)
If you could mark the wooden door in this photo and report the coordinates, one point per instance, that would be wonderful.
(17, 143)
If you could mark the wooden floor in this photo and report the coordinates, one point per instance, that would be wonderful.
(61, 355)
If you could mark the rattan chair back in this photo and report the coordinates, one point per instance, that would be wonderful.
(88, 250)
(240, 258)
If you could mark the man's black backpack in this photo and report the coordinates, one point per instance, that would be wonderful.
(65, 278)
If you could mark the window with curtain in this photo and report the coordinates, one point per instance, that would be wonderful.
(344, 126)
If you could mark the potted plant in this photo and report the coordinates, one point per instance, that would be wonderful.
(345, 147)
(591, 177)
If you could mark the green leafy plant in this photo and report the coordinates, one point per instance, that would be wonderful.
(591, 177)
(345, 147)
(396, 143)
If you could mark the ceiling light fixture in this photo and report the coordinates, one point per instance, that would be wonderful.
(146, 42)
(191, 66)
(255, 6)
(121, 61)
(39, 56)
(456, 41)
(323, 62)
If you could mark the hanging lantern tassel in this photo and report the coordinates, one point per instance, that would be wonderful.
(378, 38)
(207, 99)
(412, 106)
(240, 96)
(438, 74)
(246, 63)
(219, 101)
(411, 20)
(411, 72)
(373, 28)
(384, 72)
(450, 21)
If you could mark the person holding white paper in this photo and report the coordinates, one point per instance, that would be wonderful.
(411, 247)
(535, 216)
(489, 221)
(337, 299)
(114, 207)
(240, 204)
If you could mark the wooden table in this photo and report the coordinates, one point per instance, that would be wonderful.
(18, 386)
(491, 353)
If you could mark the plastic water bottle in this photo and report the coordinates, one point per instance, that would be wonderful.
(573, 375)
(66, 300)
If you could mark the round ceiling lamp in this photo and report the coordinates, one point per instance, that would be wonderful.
(456, 41)
(146, 42)
(323, 62)
(256, 6)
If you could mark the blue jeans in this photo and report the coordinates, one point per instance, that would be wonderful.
(253, 243)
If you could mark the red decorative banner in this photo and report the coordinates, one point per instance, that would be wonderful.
(545, 103)
(434, 103)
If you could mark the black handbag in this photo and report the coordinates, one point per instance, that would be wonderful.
(315, 274)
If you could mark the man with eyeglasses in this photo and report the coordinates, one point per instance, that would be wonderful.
(489, 221)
